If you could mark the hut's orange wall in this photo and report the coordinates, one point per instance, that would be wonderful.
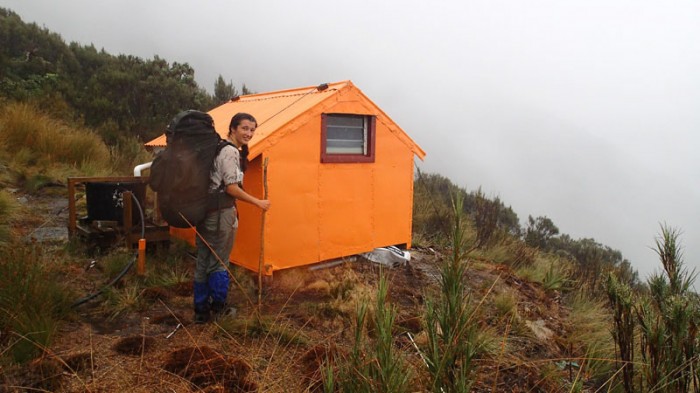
(323, 211)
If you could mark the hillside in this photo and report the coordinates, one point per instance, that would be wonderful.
(124, 341)
(484, 305)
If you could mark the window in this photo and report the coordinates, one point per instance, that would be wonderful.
(347, 138)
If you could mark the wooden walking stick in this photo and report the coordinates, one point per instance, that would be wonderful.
(262, 235)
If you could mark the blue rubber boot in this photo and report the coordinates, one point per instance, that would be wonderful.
(201, 302)
(218, 283)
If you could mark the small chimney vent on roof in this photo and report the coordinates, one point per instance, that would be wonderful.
(322, 87)
(235, 98)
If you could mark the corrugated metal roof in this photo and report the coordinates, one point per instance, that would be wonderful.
(273, 110)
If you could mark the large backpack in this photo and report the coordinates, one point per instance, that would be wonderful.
(180, 174)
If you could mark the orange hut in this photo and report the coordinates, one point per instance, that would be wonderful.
(339, 176)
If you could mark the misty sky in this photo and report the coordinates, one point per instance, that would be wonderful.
(585, 111)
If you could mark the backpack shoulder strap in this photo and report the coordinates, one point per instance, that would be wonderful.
(223, 143)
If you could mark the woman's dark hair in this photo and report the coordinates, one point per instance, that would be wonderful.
(235, 121)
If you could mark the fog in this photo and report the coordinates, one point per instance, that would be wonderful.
(582, 111)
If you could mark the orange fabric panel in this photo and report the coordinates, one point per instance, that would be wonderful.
(292, 233)
(346, 198)
(393, 187)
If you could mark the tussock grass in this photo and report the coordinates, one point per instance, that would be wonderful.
(505, 303)
(127, 153)
(255, 326)
(552, 272)
(167, 267)
(32, 301)
(119, 301)
(42, 144)
(114, 262)
(42, 149)
(8, 211)
(590, 322)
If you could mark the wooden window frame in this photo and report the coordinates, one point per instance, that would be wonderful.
(371, 122)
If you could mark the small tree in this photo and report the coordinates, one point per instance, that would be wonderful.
(486, 217)
(223, 91)
(538, 232)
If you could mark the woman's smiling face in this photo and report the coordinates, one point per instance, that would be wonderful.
(243, 133)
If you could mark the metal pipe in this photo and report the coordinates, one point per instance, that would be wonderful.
(140, 167)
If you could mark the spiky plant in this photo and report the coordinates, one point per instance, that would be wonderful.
(451, 332)
(389, 369)
(376, 366)
(668, 322)
(621, 302)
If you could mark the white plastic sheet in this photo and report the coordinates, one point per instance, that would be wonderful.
(388, 256)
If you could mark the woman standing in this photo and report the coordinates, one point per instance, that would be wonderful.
(218, 230)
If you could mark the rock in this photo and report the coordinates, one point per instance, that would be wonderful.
(49, 234)
(540, 330)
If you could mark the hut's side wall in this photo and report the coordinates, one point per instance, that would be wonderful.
(324, 211)
(393, 187)
(292, 223)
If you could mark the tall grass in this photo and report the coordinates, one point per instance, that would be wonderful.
(590, 335)
(127, 153)
(376, 366)
(452, 334)
(39, 144)
(8, 209)
(32, 301)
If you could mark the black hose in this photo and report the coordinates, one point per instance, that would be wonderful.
(126, 268)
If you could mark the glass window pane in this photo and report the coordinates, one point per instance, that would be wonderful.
(346, 121)
(345, 135)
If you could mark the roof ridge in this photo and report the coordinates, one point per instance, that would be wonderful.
(273, 96)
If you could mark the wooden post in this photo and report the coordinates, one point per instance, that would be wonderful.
(127, 208)
(262, 235)
(72, 226)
